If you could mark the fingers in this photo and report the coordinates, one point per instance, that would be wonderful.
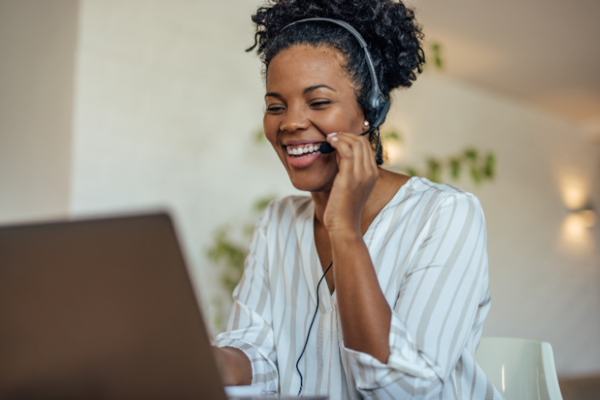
(354, 154)
(347, 143)
(369, 157)
(349, 150)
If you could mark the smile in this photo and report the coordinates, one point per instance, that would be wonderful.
(302, 155)
(302, 151)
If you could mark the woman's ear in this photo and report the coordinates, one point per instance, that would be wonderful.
(365, 126)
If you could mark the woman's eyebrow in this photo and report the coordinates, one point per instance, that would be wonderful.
(311, 88)
(308, 89)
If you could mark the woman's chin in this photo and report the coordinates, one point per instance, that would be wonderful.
(311, 183)
(316, 177)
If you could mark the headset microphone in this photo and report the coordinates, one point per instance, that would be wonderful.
(376, 99)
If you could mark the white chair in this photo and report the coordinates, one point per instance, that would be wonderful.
(520, 369)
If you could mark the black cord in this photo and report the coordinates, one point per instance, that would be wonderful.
(378, 155)
(309, 329)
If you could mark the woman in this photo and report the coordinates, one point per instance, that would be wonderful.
(404, 259)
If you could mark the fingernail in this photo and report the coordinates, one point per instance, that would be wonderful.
(334, 139)
(332, 134)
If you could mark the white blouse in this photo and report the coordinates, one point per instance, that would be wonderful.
(428, 247)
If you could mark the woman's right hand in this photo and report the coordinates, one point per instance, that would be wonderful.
(233, 365)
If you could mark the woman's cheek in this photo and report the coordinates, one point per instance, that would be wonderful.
(334, 120)
(270, 129)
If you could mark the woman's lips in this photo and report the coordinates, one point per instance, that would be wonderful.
(302, 161)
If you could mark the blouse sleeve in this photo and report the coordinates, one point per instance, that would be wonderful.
(435, 309)
(250, 323)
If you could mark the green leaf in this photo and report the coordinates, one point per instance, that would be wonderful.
(262, 203)
(490, 166)
(476, 175)
(259, 136)
(471, 154)
(230, 283)
(433, 173)
(454, 168)
(436, 49)
(225, 251)
(411, 172)
(392, 136)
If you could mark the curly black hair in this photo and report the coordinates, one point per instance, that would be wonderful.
(388, 26)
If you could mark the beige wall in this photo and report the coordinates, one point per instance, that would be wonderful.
(37, 59)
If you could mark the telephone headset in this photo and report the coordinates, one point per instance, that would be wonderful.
(377, 101)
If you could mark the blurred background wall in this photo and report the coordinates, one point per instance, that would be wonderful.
(166, 105)
(37, 62)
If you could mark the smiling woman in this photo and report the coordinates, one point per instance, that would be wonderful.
(404, 259)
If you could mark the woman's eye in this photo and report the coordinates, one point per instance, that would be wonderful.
(320, 104)
(274, 109)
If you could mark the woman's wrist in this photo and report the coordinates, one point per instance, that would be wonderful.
(344, 236)
(233, 365)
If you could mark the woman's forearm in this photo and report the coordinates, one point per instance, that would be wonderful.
(234, 366)
(364, 311)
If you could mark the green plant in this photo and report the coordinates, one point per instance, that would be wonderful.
(434, 52)
(479, 167)
(259, 135)
(229, 254)
(228, 251)
(390, 135)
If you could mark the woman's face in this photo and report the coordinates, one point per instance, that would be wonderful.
(308, 96)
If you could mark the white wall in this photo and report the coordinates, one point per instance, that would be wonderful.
(37, 62)
(166, 105)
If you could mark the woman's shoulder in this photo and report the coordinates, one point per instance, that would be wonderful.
(419, 187)
(421, 194)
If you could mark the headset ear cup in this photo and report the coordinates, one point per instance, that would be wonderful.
(380, 114)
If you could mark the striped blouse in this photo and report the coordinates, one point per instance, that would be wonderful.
(428, 247)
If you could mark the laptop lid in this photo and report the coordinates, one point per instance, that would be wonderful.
(101, 309)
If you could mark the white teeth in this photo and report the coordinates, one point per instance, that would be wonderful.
(298, 151)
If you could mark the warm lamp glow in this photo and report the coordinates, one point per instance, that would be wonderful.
(576, 237)
(574, 193)
(575, 226)
(394, 151)
(575, 234)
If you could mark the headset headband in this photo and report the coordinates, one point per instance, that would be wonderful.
(376, 97)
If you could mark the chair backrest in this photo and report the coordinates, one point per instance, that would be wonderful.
(519, 368)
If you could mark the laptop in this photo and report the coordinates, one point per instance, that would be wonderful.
(101, 309)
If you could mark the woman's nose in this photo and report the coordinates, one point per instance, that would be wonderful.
(293, 120)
